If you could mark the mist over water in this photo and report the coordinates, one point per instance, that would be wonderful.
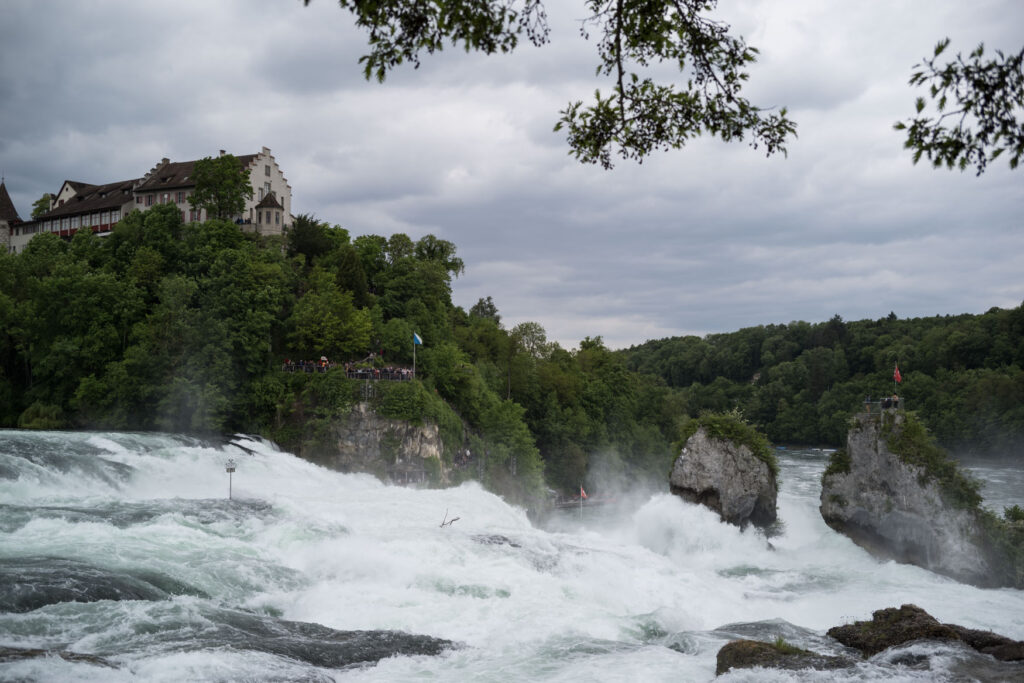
(124, 547)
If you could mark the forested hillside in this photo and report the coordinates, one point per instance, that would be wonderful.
(800, 381)
(187, 327)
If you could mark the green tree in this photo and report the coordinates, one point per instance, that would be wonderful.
(325, 322)
(634, 39)
(222, 186)
(486, 308)
(41, 205)
(309, 237)
(980, 110)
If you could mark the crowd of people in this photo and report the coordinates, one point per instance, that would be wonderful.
(352, 371)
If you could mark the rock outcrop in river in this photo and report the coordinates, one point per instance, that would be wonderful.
(888, 628)
(891, 627)
(726, 466)
(914, 505)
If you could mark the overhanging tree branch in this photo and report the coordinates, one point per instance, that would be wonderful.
(989, 95)
(640, 115)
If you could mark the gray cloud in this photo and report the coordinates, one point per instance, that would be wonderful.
(710, 238)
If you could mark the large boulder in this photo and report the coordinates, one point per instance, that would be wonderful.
(747, 654)
(888, 628)
(897, 507)
(891, 627)
(726, 476)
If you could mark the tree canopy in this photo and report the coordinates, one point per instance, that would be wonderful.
(222, 186)
(41, 206)
(639, 114)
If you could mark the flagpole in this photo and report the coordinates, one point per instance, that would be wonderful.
(581, 501)
(414, 357)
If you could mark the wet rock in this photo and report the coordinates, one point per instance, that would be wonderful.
(1002, 648)
(746, 654)
(14, 654)
(726, 477)
(394, 450)
(891, 627)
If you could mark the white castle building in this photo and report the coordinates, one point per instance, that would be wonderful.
(78, 205)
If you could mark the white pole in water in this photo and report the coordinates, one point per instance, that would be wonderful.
(230, 468)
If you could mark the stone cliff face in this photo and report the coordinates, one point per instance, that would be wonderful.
(892, 509)
(394, 450)
(727, 478)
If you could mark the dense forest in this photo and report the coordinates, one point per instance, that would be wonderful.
(799, 382)
(182, 327)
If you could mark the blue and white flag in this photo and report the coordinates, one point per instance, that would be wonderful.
(416, 339)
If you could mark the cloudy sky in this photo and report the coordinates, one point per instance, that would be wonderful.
(710, 238)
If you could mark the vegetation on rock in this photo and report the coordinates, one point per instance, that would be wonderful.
(731, 427)
(909, 439)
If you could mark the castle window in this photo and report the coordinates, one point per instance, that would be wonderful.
(149, 200)
(266, 170)
(115, 215)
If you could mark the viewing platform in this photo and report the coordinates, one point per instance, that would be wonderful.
(884, 404)
(389, 373)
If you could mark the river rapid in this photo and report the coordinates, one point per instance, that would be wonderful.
(121, 555)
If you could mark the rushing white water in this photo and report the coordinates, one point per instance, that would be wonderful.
(123, 546)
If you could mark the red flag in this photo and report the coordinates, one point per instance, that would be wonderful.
(896, 374)
(583, 494)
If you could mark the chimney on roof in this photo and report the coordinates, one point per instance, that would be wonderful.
(222, 152)
(165, 161)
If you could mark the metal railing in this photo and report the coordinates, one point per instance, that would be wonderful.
(885, 404)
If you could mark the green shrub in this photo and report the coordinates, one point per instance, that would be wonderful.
(1013, 514)
(41, 415)
(838, 463)
(782, 647)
